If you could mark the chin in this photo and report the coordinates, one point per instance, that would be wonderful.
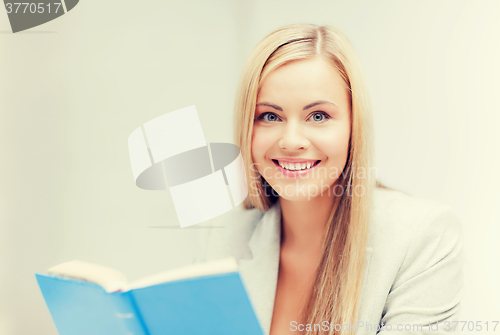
(299, 191)
(297, 197)
(303, 191)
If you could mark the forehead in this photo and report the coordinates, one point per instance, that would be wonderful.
(304, 81)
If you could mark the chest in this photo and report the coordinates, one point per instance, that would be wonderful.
(295, 279)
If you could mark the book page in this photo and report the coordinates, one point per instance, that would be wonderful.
(224, 265)
(110, 279)
(113, 280)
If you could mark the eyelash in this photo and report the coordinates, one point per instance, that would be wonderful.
(261, 116)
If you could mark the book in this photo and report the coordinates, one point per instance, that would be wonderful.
(204, 298)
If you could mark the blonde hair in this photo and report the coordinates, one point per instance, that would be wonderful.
(335, 292)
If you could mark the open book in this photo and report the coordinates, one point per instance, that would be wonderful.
(204, 298)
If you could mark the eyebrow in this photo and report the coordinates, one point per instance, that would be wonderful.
(319, 102)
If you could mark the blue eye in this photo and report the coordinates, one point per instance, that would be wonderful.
(319, 116)
(268, 116)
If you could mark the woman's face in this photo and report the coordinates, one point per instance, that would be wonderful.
(302, 128)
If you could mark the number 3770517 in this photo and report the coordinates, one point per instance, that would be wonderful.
(32, 8)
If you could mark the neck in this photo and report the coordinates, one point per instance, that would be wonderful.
(304, 223)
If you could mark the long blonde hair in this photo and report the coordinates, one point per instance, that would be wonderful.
(335, 292)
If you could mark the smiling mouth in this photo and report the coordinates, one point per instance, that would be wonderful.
(296, 166)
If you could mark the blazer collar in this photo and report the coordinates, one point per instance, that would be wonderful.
(260, 272)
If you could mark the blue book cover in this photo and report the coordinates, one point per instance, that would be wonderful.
(215, 304)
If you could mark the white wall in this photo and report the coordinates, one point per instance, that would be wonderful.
(72, 90)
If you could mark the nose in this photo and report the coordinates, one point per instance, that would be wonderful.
(293, 138)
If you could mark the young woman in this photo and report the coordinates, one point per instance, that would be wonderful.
(322, 248)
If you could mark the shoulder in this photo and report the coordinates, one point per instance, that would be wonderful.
(416, 259)
(413, 232)
(400, 214)
(228, 234)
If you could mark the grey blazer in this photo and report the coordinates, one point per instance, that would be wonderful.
(413, 269)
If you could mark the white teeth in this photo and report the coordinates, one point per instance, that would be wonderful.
(296, 166)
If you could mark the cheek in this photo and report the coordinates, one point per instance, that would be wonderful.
(334, 144)
(261, 143)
